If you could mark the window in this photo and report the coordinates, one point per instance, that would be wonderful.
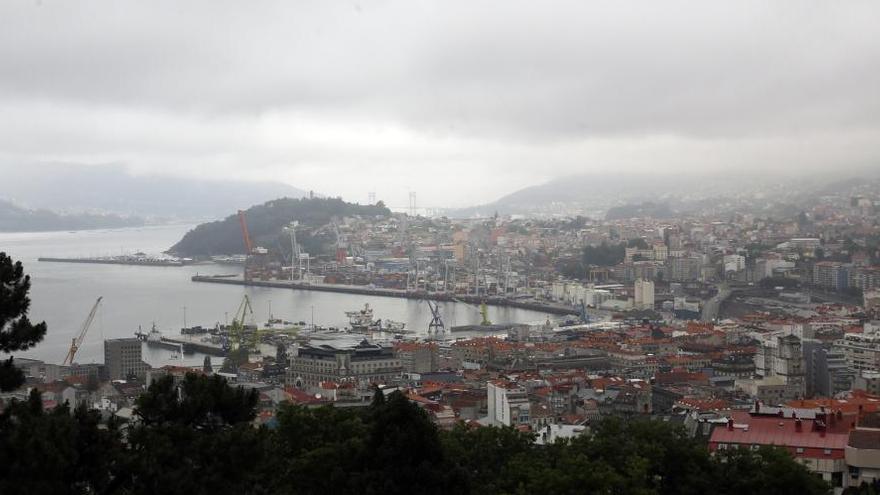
(854, 472)
(799, 450)
(827, 451)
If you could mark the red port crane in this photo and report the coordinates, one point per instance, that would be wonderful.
(248, 246)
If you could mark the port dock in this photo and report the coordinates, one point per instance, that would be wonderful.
(119, 260)
(555, 309)
(190, 346)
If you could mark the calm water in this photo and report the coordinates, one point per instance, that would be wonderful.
(62, 294)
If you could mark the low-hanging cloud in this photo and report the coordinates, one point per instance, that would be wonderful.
(461, 102)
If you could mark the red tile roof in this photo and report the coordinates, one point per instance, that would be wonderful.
(769, 430)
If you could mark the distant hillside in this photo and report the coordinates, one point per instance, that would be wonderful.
(17, 219)
(266, 223)
(643, 210)
(597, 195)
(592, 195)
(110, 188)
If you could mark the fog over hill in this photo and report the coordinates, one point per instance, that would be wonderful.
(596, 195)
(16, 219)
(112, 189)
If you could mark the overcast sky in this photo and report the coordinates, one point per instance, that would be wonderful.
(461, 102)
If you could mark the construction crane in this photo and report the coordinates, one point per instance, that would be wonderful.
(77, 342)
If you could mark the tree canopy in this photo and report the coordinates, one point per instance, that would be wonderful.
(604, 254)
(199, 439)
(17, 333)
(266, 222)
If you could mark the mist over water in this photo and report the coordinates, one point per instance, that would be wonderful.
(62, 294)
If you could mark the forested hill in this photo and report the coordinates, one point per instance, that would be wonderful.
(16, 219)
(266, 223)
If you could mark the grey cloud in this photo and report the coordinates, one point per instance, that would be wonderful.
(546, 88)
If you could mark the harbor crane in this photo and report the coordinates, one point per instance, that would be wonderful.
(248, 245)
(436, 325)
(295, 254)
(237, 329)
(245, 235)
(585, 317)
(255, 260)
(341, 247)
(483, 309)
(78, 340)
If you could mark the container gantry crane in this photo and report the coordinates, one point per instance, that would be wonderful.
(78, 340)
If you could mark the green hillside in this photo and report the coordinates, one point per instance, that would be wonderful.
(266, 223)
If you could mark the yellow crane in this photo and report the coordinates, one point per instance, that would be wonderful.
(236, 330)
(484, 313)
(78, 340)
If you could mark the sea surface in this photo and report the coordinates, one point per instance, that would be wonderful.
(139, 296)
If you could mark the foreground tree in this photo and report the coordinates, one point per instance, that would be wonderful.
(56, 451)
(17, 333)
(196, 437)
(200, 402)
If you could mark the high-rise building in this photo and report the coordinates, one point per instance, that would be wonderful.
(831, 374)
(780, 364)
(832, 275)
(123, 359)
(684, 269)
(862, 351)
(734, 263)
(644, 294)
(417, 357)
(508, 404)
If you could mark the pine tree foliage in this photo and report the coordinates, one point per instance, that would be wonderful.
(17, 332)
